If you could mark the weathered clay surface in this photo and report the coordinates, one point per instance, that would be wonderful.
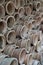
(21, 32)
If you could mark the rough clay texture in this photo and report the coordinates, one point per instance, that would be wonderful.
(21, 32)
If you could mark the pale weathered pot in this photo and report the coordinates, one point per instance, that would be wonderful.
(2, 57)
(29, 24)
(21, 12)
(26, 44)
(18, 53)
(8, 49)
(34, 39)
(33, 23)
(24, 31)
(9, 61)
(31, 61)
(36, 62)
(36, 56)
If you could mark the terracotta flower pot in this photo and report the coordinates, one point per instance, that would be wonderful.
(18, 53)
(10, 22)
(10, 8)
(11, 35)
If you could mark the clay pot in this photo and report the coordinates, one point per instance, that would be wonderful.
(18, 30)
(2, 42)
(36, 56)
(17, 3)
(35, 39)
(10, 8)
(28, 10)
(31, 61)
(10, 22)
(11, 35)
(36, 62)
(25, 44)
(16, 15)
(2, 57)
(31, 5)
(21, 12)
(10, 61)
(8, 49)
(37, 5)
(18, 53)
(24, 31)
(29, 25)
(2, 11)
(3, 26)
